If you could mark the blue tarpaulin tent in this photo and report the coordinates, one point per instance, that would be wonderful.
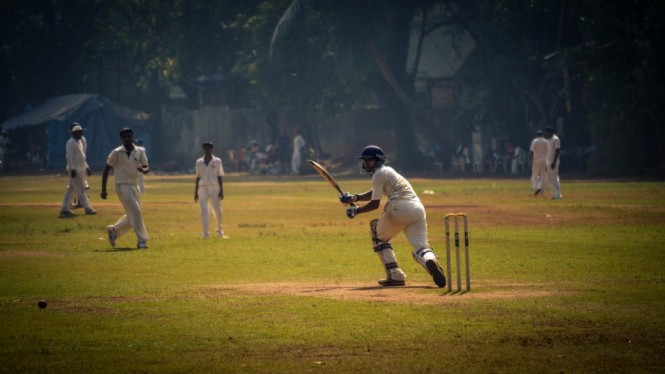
(101, 118)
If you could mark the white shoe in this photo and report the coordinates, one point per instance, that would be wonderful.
(142, 245)
(110, 230)
(220, 234)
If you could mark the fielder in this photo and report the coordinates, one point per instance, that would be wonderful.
(553, 161)
(84, 146)
(209, 189)
(403, 212)
(127, 161)
(77, 169)
(538, 161)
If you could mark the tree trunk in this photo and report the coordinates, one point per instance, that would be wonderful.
(394, 86)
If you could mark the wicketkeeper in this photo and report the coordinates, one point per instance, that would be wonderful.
(403, 212)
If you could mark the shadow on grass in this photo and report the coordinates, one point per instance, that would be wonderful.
(454, 292)
(120, 249)
(373, 288)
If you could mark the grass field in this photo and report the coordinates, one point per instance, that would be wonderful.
(576, 285)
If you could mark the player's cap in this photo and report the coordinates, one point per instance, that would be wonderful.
(126, 130)
(77, 128)
(207, 145)
(539, 133)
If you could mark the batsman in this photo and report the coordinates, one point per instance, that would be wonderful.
(402, 212)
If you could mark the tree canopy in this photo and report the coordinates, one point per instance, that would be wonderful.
(593, 64)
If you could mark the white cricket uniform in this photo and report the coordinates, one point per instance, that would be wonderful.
(75, 161)
(84, 146)
(553, 173)
(539, 147)
(209, 189)
(141, 179)
(126, 186)
(403, 210)
(296, 159)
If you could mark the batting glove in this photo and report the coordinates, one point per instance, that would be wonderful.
(347, 198)
(351, 212)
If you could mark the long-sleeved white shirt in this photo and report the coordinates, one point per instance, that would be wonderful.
(75, 156)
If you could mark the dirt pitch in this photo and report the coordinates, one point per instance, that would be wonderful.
(410, 294)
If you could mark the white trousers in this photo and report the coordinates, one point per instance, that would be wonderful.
(539, 174)
(76, 187)
(296, 160)
(407, 216)
(553, 178)
(209, 196)
(129, 196)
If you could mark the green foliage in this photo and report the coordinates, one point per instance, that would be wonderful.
(625, 91)
(597, 64)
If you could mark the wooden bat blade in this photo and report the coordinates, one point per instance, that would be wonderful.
(324, 173)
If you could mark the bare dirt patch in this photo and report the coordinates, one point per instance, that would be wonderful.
(410, 294)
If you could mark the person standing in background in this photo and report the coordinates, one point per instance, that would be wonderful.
(84, 145)
(77, 170)
(538, 161)
(553, 161)
(209, 189)
(298, 144)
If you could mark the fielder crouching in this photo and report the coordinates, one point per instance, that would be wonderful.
(403, 212)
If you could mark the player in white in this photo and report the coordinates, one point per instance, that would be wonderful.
(84, 145)
(538, 160)
(77, 169)
(139, 144)
(209, 189)
(403, 212)
(127, 161)
(553, 161)
(296, 159)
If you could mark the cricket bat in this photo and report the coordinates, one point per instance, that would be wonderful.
(324, 173)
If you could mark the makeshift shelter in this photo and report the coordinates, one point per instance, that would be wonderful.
(46, 128)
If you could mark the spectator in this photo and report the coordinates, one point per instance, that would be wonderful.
(298, 144)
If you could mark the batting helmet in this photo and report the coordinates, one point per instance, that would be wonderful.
(376, 154)
(373, 151)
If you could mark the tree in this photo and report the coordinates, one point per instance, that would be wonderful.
(291, 81)
(46, 50)
(374, 36)
(623, 55)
